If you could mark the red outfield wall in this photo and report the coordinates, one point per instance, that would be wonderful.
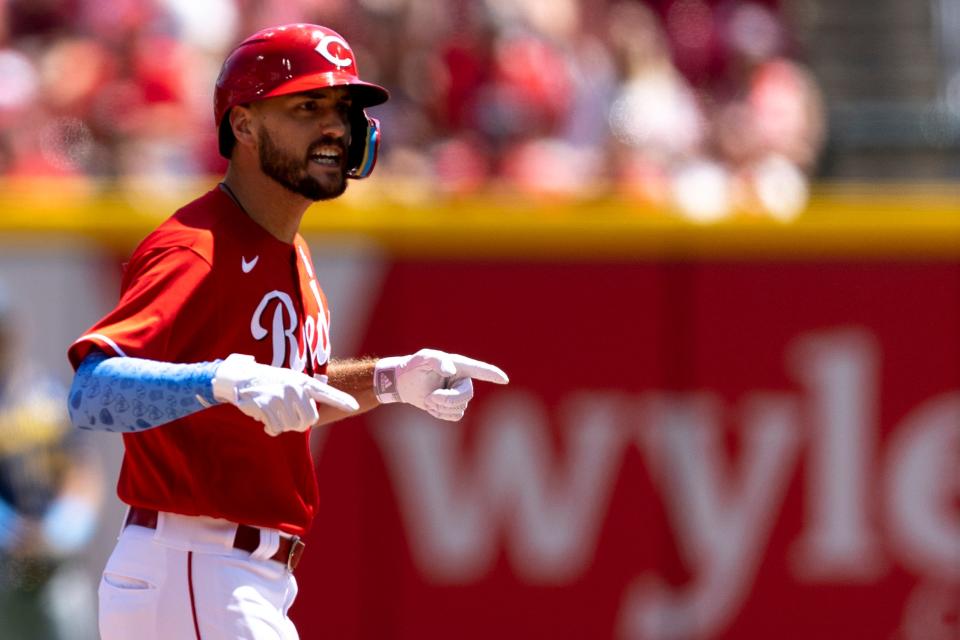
(696, 449)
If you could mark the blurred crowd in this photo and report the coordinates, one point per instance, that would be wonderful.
(695, 106)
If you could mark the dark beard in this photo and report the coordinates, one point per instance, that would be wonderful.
(292, 173)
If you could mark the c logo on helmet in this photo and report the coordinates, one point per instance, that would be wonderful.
(323, 48)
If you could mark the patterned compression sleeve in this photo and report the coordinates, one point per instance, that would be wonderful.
(133, 394)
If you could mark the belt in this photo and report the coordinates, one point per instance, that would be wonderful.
(247, 538)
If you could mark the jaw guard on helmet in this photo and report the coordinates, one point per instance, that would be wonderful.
(364, 145)
(291, 59)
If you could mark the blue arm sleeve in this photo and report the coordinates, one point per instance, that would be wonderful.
(133, 394)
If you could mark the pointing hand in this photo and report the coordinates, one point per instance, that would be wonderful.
(434, 381)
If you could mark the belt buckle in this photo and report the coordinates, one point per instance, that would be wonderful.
(296, 548)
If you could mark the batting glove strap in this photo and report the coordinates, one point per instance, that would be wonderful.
(385, 379)
(231, 374)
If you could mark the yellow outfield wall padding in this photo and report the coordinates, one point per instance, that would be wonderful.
(847, 220)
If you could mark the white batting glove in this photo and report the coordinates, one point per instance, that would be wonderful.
(282, 399)
(434, 381)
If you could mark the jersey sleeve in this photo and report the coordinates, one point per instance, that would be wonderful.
(157, 286)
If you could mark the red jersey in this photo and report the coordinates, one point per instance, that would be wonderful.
(206, 283)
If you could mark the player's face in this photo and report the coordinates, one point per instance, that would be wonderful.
(303, 141)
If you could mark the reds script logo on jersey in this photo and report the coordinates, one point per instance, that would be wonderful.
(286, 332)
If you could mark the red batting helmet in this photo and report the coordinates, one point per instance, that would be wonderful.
(294, 58)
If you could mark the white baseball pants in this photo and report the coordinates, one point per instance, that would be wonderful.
(185, 581)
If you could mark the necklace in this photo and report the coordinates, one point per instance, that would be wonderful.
(227, 190)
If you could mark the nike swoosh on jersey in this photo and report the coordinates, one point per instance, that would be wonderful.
(246, 265)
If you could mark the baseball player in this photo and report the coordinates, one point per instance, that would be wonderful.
(215, 363)
(50, 500)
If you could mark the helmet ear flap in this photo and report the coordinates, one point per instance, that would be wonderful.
(364, 144)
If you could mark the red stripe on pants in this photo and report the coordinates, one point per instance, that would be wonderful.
(193, 603)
